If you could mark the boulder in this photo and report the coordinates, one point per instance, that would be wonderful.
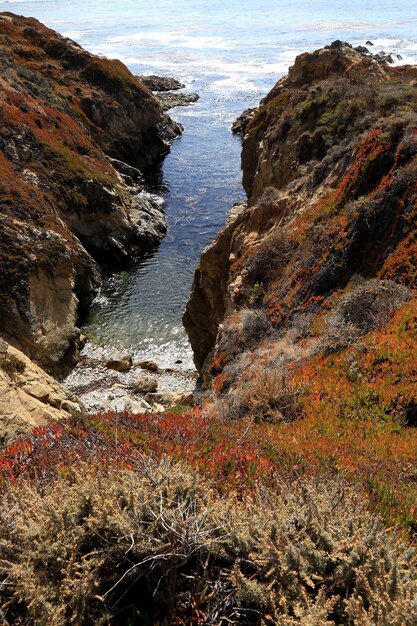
(120, 365)
(126, 170)
(125, 403)
(29, 397)
(151, 366)
(145, 385)
(157, 408)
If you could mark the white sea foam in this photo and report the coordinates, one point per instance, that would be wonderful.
(242, 72)
(405, 48)
(342, 25)
(174, 38)
(388, 44)
(76, 35)
(233, 84)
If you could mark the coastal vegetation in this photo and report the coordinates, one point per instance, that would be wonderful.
(190, 519)
(288, 494)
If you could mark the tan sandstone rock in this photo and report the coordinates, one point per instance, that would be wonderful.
(29, 397)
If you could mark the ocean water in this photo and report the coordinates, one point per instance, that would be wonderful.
(231, 53)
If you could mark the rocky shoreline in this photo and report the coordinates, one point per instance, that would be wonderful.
(76, 131)
(108, 380)
(73, 206)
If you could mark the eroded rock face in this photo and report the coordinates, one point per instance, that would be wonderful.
(67, 209)
(329, 168)
(29, 397)
(208, 303)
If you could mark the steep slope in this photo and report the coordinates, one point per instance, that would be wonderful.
(329, 167)
(74, 128)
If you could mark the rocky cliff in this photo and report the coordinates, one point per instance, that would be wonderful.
(324, 250)
(74, 128)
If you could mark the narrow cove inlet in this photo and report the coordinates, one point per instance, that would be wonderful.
(208, 341)
(140, 310)
(231, 57)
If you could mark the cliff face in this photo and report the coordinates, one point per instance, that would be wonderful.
(66, 207)
(329, 168)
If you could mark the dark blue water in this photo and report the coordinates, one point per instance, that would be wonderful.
(231, 53)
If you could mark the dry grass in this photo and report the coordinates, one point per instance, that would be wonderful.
(369, 305)
(264, 394)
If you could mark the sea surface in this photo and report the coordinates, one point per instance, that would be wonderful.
(231, 53)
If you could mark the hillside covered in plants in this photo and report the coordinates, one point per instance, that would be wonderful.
(288, 496)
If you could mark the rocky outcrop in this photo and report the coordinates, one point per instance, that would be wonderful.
(75, 128)
(329, 168)
(28, 396)
(165, 90)
(170, 100)
(160, 83)
(241, 122)
(209, 303)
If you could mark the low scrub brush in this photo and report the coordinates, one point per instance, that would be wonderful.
(157, 545)
(367, 306)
